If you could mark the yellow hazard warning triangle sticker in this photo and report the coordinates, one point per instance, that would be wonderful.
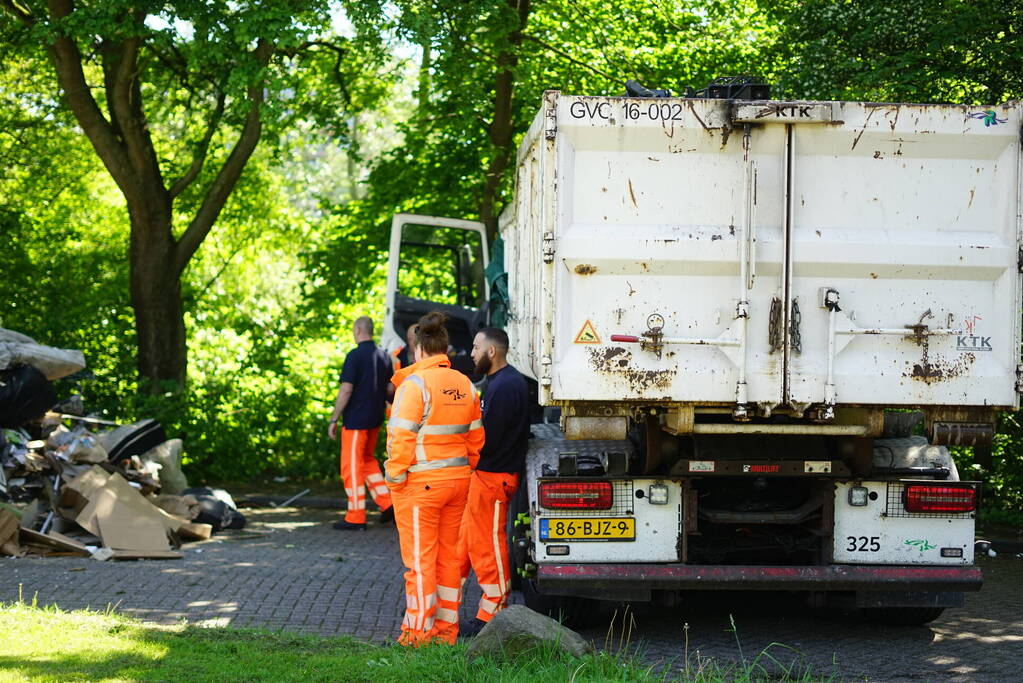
(588, 334)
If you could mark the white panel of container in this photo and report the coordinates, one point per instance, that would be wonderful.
(909, 213)
(649, 203)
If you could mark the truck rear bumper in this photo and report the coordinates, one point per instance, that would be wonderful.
(552, 577)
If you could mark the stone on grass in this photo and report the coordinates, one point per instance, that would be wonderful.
(516, 629)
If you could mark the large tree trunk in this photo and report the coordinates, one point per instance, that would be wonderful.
(156, 300)
(501, 127)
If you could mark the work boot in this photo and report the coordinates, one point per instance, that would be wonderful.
(468, 629)
(387, 516)
(348, 526)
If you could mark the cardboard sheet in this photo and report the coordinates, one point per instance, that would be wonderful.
(133, 533)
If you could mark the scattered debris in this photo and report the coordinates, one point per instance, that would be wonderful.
(291, 500)
(70, 485)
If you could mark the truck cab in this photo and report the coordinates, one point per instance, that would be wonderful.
(436, 264)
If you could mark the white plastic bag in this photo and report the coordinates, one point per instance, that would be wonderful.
(52, 362)
(12, 336)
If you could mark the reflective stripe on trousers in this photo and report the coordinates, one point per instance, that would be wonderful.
(428, 519)
(483, 542)
(359, 471)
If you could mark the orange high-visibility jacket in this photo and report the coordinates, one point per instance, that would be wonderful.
(401, 374)
(436, 428)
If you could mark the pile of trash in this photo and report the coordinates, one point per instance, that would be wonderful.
(71, 484)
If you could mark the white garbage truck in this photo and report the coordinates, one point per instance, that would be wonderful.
(763, 324)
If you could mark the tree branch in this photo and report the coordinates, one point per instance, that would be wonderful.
(230, 172)
(500, 130)
(565, 55)
(18, 12)
(175, 67)
(201, 149)
(124, 102)
(67, 61)
(339, 53)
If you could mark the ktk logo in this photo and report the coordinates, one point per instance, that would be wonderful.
(972, 341)
(454, 393)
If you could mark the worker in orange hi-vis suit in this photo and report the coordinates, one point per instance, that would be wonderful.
(360, 402)
(404, 357)
(483, 542)
(434, 437)
(405, 367)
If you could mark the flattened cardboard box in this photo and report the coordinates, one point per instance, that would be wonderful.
(120, 515)
(133, 533)
(9, 534)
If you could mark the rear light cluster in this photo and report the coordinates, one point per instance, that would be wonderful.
(576, 495)
(939, 498)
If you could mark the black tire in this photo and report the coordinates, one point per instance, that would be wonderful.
(519, 503)
(903, 616)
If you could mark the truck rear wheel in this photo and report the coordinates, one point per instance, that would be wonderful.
(903, 616)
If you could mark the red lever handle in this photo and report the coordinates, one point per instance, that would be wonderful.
(624, 338)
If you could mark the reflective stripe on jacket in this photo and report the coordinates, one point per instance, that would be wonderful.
(401, 374)
(436, 428)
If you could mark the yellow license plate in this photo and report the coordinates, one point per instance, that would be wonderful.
(588, 529)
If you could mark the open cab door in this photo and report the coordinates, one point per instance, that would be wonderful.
(437, 264)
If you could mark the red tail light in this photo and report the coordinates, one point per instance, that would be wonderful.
(932, 498)
(576, 495)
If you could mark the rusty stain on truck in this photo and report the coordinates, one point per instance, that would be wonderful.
(616, 360)
(930, 372)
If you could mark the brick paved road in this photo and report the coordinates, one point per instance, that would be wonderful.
(290, 570)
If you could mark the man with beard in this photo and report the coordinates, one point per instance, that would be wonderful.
(483, 541)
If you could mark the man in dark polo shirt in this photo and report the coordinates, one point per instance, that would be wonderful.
(483, 542)
(360, 407)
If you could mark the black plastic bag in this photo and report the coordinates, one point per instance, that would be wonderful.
(134, 439)
(214, 511)
(25, 395)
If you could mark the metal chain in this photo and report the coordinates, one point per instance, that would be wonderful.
(774, 335)
(795, 340)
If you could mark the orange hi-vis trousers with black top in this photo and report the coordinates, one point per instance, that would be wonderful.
(428, 517)
(434, 436)
(483, 541)
(359, 471)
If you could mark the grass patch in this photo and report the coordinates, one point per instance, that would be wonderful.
(48, 644)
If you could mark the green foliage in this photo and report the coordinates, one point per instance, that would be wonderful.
(961, 51)
(1002, 473)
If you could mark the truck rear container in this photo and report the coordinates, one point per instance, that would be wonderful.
(763, 323)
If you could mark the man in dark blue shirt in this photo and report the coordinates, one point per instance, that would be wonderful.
(483, 541)
(360, 405)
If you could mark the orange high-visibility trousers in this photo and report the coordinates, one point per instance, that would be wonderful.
(428, 515)
(483, 541)
(359, 471)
